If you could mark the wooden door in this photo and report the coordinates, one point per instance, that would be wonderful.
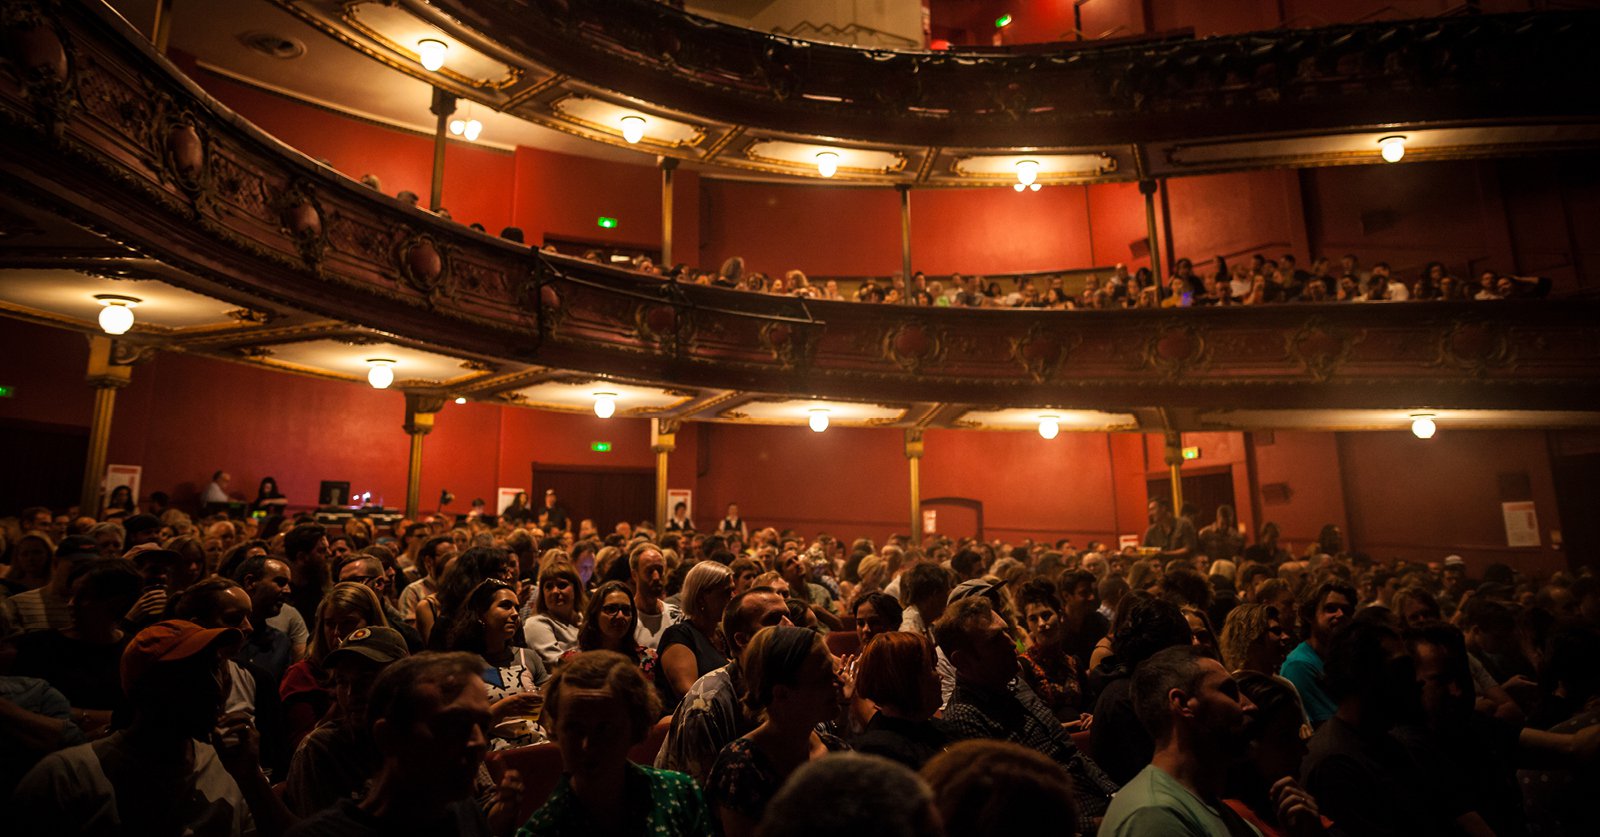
(604, 495)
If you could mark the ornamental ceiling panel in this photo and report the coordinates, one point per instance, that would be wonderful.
(69, 295)
(1029, 419)
(577, 393)
(347, 358)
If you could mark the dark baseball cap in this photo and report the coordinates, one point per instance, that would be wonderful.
(380, 645)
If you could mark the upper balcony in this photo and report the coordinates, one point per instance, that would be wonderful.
(120, 172)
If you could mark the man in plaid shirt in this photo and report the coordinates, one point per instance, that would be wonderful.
(991, 701)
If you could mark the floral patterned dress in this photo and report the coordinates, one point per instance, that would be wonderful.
(744, 780)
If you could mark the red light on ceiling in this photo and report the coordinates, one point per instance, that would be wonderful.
(938, 44)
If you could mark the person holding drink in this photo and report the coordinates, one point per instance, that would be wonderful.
(485, 626)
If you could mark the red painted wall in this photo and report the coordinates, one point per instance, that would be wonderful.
(1029, 486)
(47, 367)
(562, 195)
(998, 230)
(1309, 464)
(1422, 500)
(1232, 214)
(402, 160)
(815, 229)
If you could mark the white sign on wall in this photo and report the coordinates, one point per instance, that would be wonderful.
(930, 521)
(122, 475)
(680, 495)
(1522, 523)
(503, 498)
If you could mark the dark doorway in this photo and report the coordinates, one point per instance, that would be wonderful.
(1577, 496)
(1204, 491)
(51, 456)
(604, 495)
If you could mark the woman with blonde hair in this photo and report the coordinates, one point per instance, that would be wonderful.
(1253, 639)
(557, 609)
(695, 646)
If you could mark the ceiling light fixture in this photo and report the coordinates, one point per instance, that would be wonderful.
(461, 399)
(117, 315)
(633, 127)
(818, 419)
(1392, 148)
(381, 373)
(1027, 172)
(472, 130)
(605, 404)
(1422, 425)
(1049, 426)
(458, 126)
(827, 165)
(430, 51)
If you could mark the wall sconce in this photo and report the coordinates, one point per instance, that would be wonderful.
(827, 166)
(381, 373)
(117, 315)
(633, 128)
(430, 51)
(1392, 148)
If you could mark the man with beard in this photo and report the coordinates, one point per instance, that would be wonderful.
(1199, 719)
(649, 570)
(266, 580)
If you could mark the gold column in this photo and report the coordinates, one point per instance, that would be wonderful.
(1174, 458)
(905, 237)
(421, 408)
(160, 34)
(442, 107)
(914, 457)
(1148, 189)
(107, 376)
(663, 440)
(668, 166)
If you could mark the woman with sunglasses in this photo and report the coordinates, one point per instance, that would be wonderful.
(485, 625)
(608, 625)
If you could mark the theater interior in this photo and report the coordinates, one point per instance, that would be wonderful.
(201, 163)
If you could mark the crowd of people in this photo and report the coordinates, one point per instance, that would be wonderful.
(162, 674)
(1260, 280)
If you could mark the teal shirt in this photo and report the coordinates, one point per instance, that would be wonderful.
(658, 802)
(1303, 668)
(1155, 804)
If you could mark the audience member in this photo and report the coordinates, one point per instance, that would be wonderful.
(864, 795)
(647, 568)
(1324, 609)
(1118, 734)
(557, 605)
(1002, 789)
(695, 647)
(896, 673)
(610, 623)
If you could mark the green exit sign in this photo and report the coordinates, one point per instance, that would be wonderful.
(1191, 453)
(600, 447)
(606, 222)
(7, 392)
(1002, 21)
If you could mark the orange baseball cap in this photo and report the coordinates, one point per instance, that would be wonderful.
(169, 642)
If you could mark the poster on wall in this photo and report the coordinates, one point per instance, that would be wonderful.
(1127, 541)
(503, 498)
(1522, 524)
(680, 495)
(123, 475)
(930, 521)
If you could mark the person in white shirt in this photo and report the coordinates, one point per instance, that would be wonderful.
(217, 491)
(649, 569)
(553, 628)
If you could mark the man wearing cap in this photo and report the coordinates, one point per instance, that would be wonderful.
(554, 514)
(141, 529)
(337, 759)
(157, 776)
(368, 570)
(1453, 582)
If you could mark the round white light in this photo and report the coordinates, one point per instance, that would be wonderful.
(472, 130)
(1392, 148)
(1033, 186)
(819, 419)
(430, 51)
(381, 373)
(1049, 426)
(605, 404)
(457, 126)
(1018, 186)
(117, 315)
(461, 400)
(633, 127)
(1027, 171)
(1422, 426)
(827, 165)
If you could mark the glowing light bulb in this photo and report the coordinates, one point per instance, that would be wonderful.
(117, 315)
(1422, 426)
(633, 128)
(461, 399)
(1027, 171)
(430, 51)
(472, 129)
(1033, 186)
(1049, 426)
(1392, 148)
(818, 420)
(827, 166)
(605, 404)
(458, 126)
(381, 373)
(1018, 186)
